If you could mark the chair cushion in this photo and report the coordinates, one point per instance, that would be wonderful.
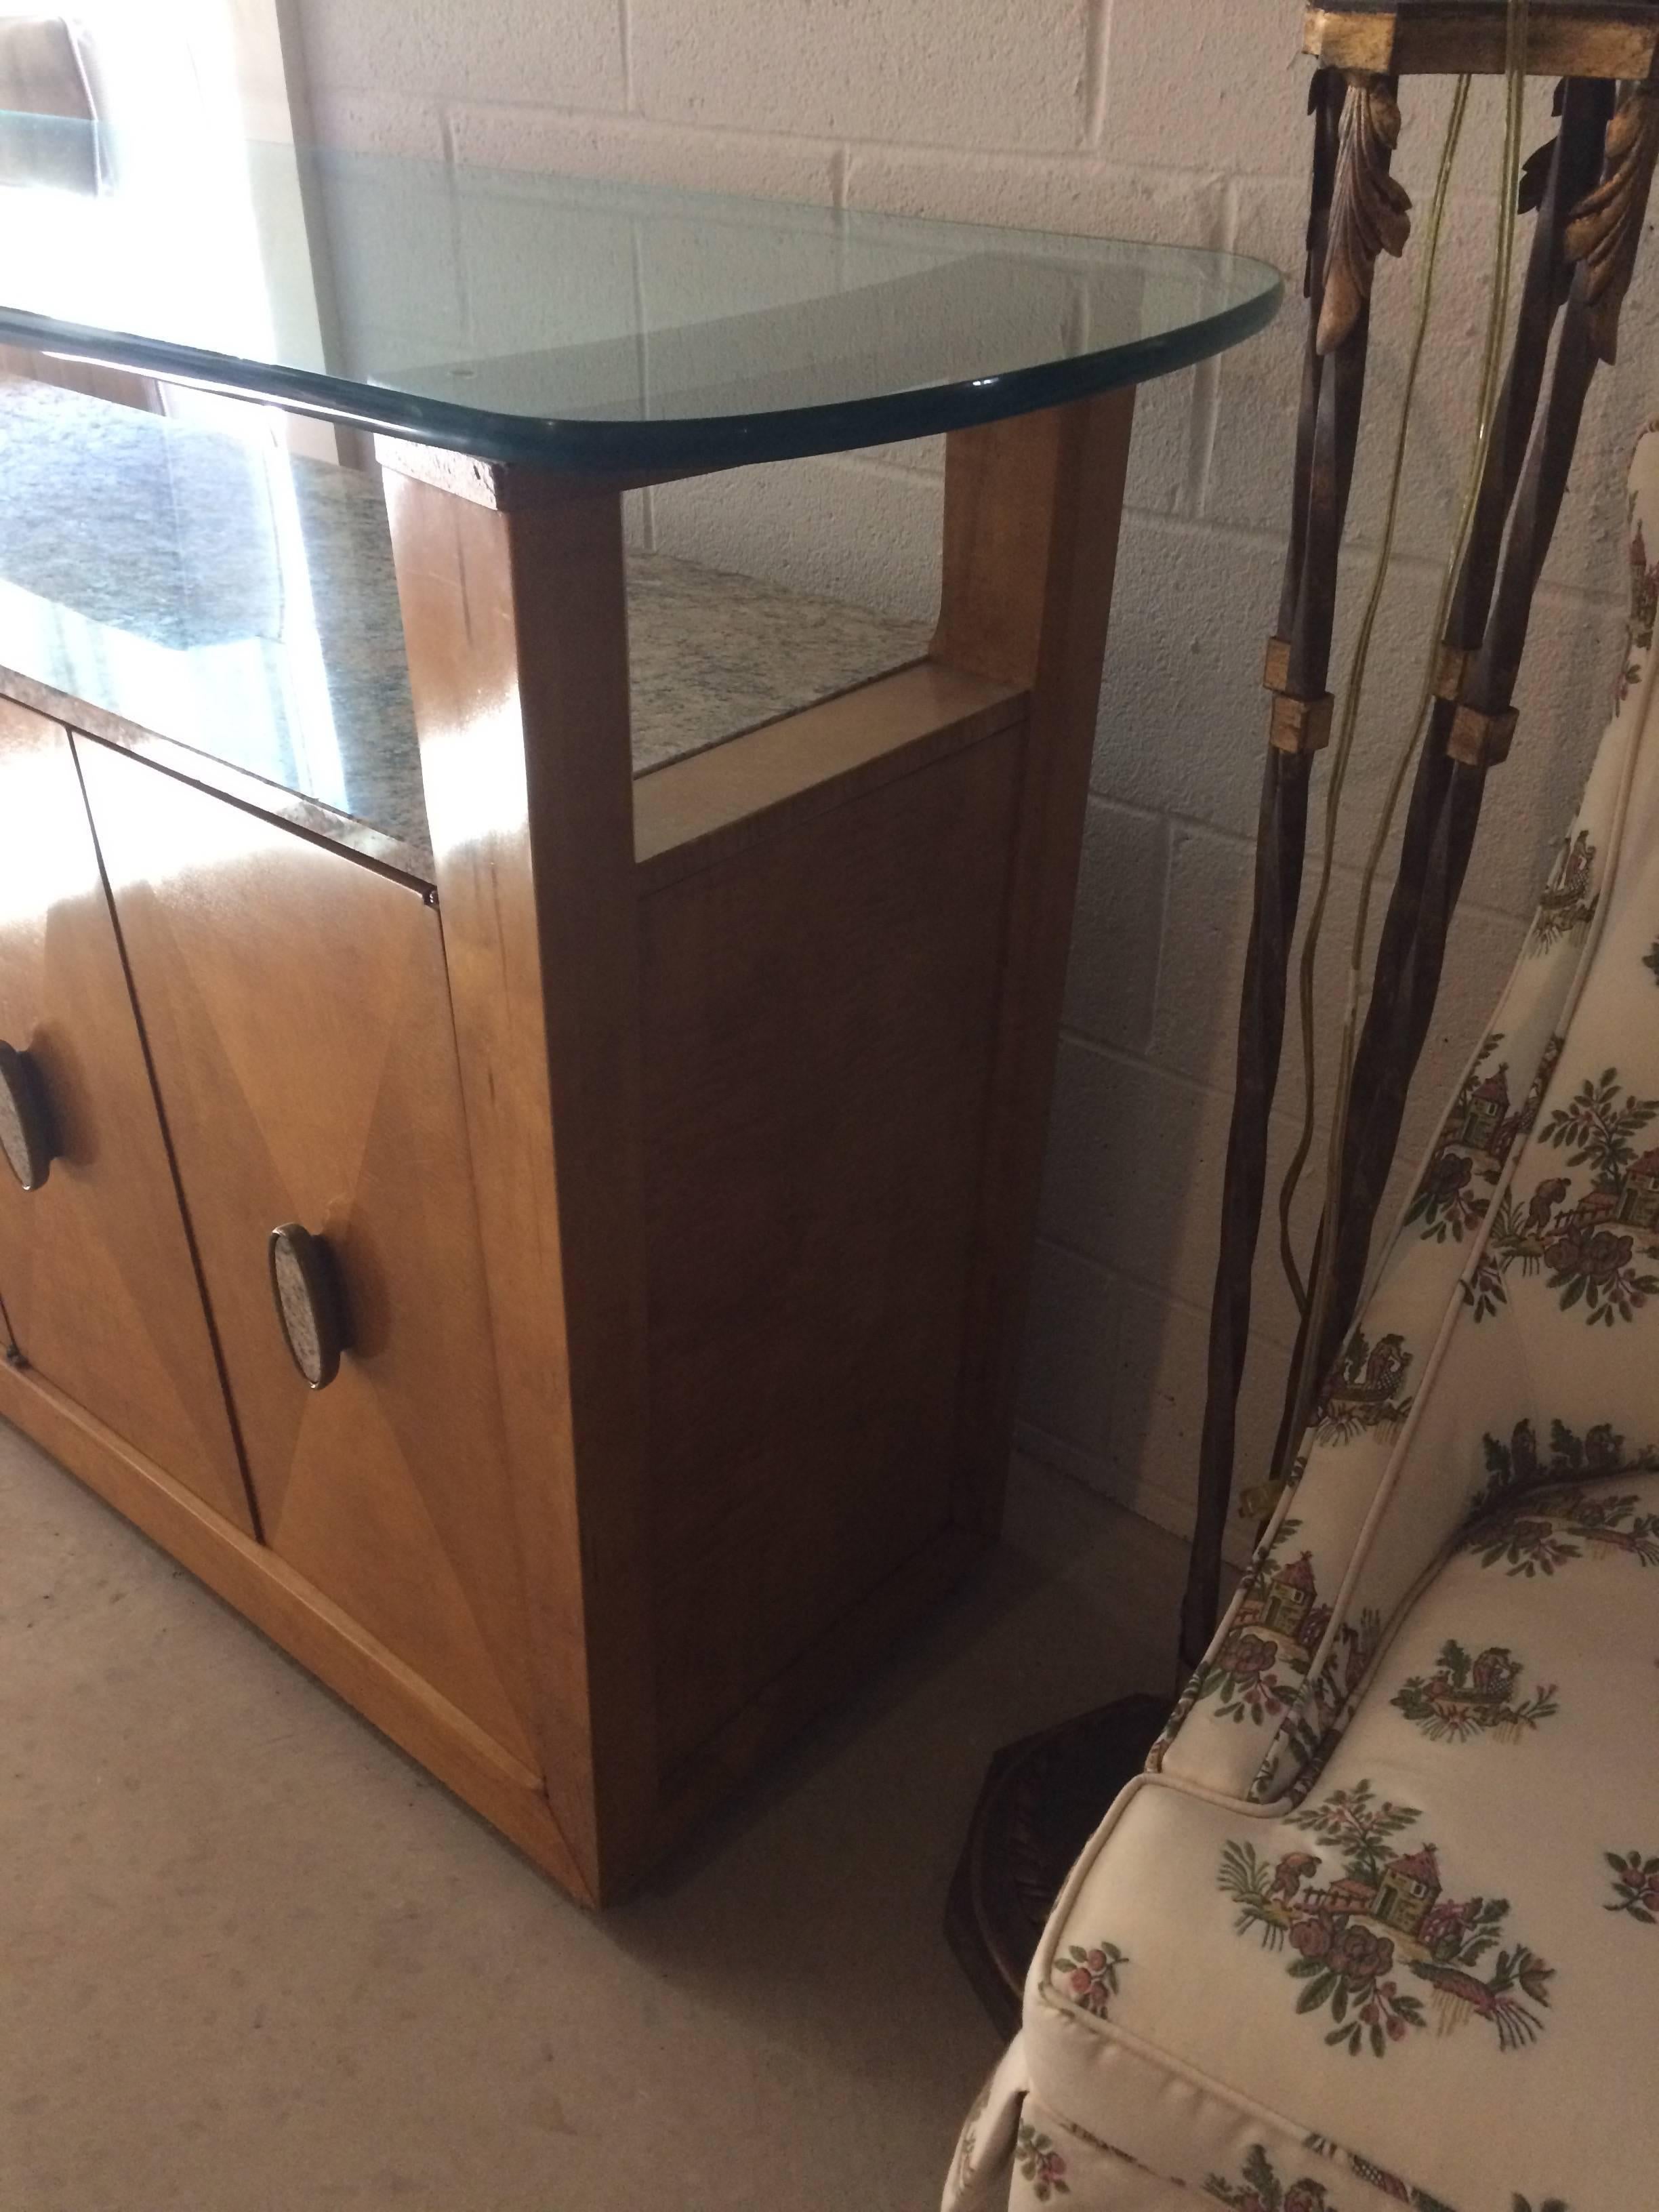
(1437, 1975)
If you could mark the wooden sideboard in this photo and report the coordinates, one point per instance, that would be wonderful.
(666, 1147)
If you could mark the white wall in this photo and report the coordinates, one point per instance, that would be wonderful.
(1175, 119)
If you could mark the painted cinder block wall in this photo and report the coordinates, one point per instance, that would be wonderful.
(1173, 119)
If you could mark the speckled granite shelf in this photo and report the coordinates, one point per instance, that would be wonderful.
(237, 600)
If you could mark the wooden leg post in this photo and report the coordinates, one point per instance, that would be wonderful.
(1032, 507)
(512, 592)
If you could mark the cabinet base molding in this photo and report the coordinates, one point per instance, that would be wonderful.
(325, 1641)
(330, 1645)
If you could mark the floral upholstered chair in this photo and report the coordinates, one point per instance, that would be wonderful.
(1380, 1924)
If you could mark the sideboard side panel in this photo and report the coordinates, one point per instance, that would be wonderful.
(819, 1010)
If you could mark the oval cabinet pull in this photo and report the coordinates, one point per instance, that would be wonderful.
(29, 1135)
(305, 1282)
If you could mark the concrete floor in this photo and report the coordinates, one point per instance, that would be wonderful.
(252, 1960)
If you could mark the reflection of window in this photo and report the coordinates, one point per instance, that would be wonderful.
(180, 229)
(197, 228)
(174, 245)
(197, 234)
(46, 71)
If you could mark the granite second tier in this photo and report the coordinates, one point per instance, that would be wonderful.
(224, 595)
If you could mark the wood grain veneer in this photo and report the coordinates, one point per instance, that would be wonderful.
(515, 618)
(696, 811)
(308, 1070)
(101, 1287)
(817, 1026)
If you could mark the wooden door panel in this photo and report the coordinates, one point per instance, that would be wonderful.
(298, 1014)
(816, 1016)
(101, 1291)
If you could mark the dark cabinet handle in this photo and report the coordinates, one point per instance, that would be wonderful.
(305, 1282)
(28, 1135)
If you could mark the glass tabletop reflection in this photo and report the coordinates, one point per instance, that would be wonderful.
(580, 325)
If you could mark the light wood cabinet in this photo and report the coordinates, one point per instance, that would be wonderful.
(652, 1160)
(101, 1296)
(599, 1043)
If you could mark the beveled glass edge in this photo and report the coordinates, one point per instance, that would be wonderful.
(577, 447)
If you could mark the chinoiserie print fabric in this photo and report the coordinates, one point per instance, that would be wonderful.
(1381, 1924)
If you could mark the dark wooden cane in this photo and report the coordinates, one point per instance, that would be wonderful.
(1298, 669)
(1472, 727)
(1444, 810)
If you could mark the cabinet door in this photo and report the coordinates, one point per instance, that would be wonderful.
(101, 1293)
(297, 1010)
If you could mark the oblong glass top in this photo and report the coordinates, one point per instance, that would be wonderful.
(524, 317)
